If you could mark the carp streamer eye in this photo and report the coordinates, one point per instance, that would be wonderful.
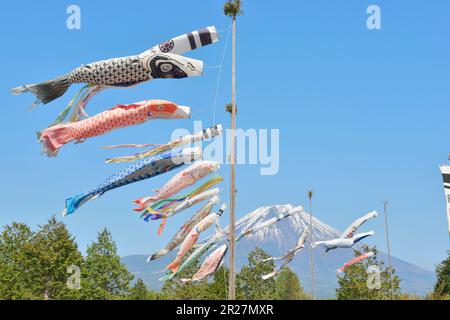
(166, 67)
(160, 67)
(159, 108)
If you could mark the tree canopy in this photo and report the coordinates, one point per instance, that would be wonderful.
(233, 8)
(103, 276)
(249, 284)
(442, 286)
(367, 280)
(288, 286)
(34, 264)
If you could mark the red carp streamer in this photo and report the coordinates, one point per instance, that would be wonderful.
(355, 260)
(120, 116)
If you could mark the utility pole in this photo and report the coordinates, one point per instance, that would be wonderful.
(232, 285)
(388, 248)
(311, 261)
(233, 8)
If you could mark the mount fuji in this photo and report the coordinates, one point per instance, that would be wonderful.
(282, 236)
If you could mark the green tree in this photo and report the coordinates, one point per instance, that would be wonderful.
(249, 284)
(217, 289)
(442, 286)
(233, 8)
(288, 286)
(103, 276)
(353, 284)
(15, 251)
(409, 296)
(52, 251)
(141, 292)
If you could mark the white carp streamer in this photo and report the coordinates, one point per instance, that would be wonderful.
(160, 61)
(288, 256)
(348, 238)
(445, 170)
(205, 134)
(189, 202)
(214, 260)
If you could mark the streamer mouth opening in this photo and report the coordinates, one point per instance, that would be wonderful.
(215, 199)
(214, 34)
(189, 155)
(217, 130)
(183, 112)
(194, 67)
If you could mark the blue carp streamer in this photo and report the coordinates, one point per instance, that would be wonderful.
(142, 170)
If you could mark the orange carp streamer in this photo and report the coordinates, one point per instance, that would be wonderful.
(120, 116)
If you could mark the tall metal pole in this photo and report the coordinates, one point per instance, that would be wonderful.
(310, 194)
(232, 273)
(388, 248)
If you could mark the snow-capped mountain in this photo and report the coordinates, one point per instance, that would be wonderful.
(296, 223)
(282, 236)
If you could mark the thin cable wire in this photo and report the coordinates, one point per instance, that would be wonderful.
(216, 96)
(219, 74)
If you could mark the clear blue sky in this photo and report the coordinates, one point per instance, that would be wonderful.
(363, 115)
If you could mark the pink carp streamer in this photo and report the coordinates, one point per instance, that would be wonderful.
(178, 238)
(192, 237)
(355, 260)
(120, 116)
(180, 181)
(163, 209)
(170, 206)
(209, 265)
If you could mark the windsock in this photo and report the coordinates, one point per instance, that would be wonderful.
(192, 237)
(180, 181)
(145, 169)
(205, 134)
(355, 260)
(445, 170)
(178, 238)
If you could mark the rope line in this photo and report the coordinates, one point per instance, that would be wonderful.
(219, 74)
